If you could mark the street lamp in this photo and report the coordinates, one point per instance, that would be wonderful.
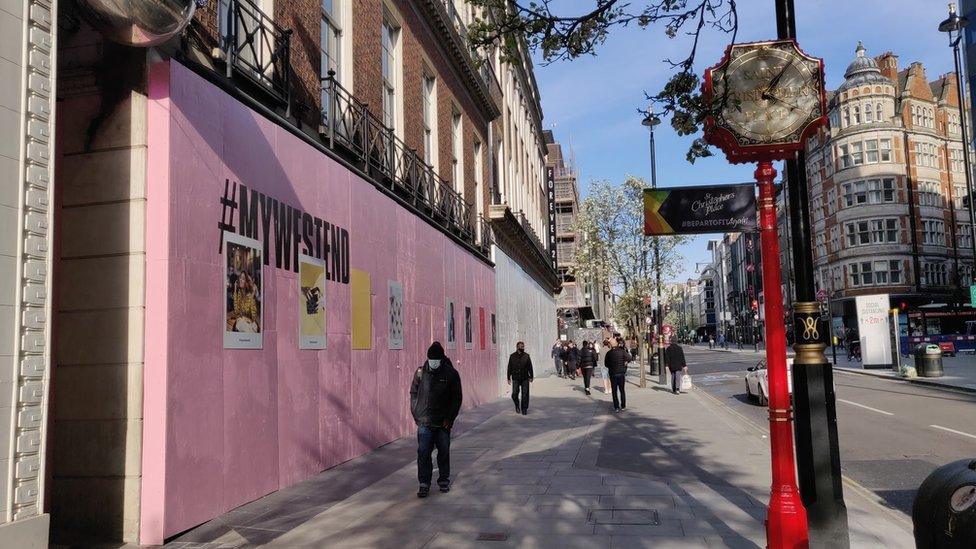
(650, 121)
(953, 26)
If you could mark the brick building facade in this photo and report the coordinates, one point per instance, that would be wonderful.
(888, 188)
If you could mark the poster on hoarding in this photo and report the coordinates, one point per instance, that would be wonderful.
(396, 315)
(311, 303)
(244, 288)
(874, 330)
(450, 327)
(468, 329)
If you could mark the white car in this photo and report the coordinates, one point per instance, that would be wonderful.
(757, 386)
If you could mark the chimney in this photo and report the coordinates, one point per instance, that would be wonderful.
(888, 63)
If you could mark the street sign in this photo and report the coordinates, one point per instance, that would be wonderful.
(695, 210)
(972, 295)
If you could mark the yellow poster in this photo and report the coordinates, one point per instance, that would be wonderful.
(311, 304)
(362, 321)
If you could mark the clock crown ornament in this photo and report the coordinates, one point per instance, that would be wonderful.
(764, 100)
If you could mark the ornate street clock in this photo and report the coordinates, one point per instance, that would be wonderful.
(766, 98)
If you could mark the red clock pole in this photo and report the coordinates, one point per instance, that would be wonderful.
(786, 518)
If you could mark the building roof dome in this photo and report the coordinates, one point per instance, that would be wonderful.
(862, 70)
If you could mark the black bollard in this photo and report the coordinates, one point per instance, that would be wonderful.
(944, 511)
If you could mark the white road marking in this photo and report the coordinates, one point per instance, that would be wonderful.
(865, 407)
(952, 431)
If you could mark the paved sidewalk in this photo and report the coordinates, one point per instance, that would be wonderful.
(670, 471)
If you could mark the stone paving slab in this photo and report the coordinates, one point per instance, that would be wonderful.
(667, 473)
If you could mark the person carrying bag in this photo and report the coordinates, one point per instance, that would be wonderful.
(674, 360)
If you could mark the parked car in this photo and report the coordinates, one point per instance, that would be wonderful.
(757, 386)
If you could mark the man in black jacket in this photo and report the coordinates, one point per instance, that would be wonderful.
(519, 377)
(674, 359)
(616, 361)
(435, 400)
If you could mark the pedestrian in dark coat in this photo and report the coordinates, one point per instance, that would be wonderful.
(572, 360)
(435, 400)
(557, 357)
(588, 358)
(674, 359)
(519, 377)
(616, 361)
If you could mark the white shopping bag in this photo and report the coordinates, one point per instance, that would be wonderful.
(686, 382)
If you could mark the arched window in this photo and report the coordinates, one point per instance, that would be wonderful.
(868, 113)
(847, 117)
(879, 111)
(914, 116)
(857, 114)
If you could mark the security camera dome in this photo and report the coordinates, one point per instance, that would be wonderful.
(140, 23)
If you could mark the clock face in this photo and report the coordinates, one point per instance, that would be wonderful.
(767, 94)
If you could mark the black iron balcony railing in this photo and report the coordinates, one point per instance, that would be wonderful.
(485, 236)
(348, 124)
(256, 47)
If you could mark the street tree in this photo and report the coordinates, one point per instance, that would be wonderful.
(518, 25)
(612, 251)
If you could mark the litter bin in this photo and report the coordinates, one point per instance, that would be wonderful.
(944, 511)
(928, 360)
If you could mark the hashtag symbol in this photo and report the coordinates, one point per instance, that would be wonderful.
(227, 212)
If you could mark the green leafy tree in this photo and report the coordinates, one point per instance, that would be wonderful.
(612, 249)
(519, 25)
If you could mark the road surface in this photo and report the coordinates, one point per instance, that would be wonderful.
(892, 434)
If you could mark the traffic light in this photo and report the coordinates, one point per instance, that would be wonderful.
(903, 306)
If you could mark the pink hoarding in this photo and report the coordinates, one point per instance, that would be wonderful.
(235, 408)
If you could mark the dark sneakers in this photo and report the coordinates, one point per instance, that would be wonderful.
(423, 492)
(444, 487)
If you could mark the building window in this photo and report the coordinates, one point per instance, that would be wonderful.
(885, 145)
(821, 245)
(935, 274)
(869, 191)
(330, 44)
(871, 146)
(930, 194)
(925, 155)
(835, 239)
(390, 68)
(856, 114)
(965, 274)
(874, 273)
(456, 152)
(956, 160)
(959, 197)
(479, 178)
(964, 236)
(879, 112)
(847, 117)
(933, 232)
(873, 231)
(868, 113)
(429, 90)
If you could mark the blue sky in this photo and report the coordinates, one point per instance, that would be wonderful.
(591, 103)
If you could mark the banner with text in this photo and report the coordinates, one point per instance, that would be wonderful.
(873, 329)
(705, 209)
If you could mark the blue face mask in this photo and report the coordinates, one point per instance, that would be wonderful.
(433, 363)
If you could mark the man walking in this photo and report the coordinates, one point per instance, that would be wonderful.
(588, 358)
(435, 400)
(557, 356)
(519, 377)
(674, 359)
(616, 362)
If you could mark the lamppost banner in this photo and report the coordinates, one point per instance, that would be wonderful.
(696, 210)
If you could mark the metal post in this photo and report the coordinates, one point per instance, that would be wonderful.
(965, 142)
(786, 522)
(817, 449)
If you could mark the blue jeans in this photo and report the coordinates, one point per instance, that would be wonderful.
(427, 439)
